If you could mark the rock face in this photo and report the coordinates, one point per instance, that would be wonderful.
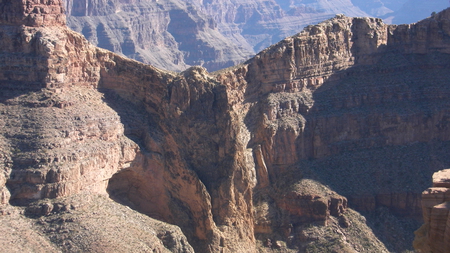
(265, 155)
(336, 101)
(434, 235)
(33, 13)
(87, 223)
(175, 34)
(318, 105)
(170, 34)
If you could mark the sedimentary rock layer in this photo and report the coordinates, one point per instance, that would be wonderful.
(350, 109)
(175, 34)
(33, 13)
(346, 86)
(170, 34)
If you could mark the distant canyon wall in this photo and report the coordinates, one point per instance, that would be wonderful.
(175, 34)
(168, 34)
(216, 34)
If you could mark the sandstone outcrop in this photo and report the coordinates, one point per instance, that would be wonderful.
(72, 141)
(80, 142)
(310, 113)
(271, 152)
(434, 235)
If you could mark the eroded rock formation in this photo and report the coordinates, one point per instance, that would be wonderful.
(268, 154)
(434, 235)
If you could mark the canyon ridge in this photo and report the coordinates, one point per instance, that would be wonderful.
(323, 142)
(175, 34)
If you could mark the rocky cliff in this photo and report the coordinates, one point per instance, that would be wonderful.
(354, 103)
(267, 155)
(170, 34)
(174, 34)
(434, 235)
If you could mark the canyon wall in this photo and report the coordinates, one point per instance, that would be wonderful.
(352, 103)
(169, 34)
(63, 137)
(349, 86)
(174, 34)
(269, 154)
(33, 13)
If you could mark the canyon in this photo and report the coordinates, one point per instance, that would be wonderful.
(175, 34)
(284, 152)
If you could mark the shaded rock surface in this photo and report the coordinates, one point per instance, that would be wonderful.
(266, 155)
(338, 107)
(33, 13)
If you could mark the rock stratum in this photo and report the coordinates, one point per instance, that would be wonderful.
(272, 154)
(175, 34)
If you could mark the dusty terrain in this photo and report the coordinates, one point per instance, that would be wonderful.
(87, 223)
